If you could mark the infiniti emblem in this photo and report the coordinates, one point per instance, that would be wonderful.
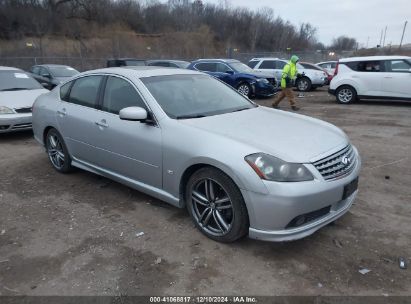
(345, 160)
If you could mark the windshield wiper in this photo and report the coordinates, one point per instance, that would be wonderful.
(15, 89)
(190, 116)
(241, 109)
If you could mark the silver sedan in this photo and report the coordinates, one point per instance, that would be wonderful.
(192, 141)
(18, 90)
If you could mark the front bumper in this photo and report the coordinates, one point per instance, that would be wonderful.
(271, 214)
(332, 92)
(15, 122)
(264, 90)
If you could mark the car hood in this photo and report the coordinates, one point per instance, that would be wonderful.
(20, 99)
(260, 74)
(289, 136)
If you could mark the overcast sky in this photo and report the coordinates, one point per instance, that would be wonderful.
(355, 18)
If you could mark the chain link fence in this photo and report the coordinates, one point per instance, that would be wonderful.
(79, 63)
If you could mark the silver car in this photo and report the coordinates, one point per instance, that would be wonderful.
(192, 141)
(310, 79)
(18, 90)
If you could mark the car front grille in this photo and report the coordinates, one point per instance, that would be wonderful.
(337, 164)
(23, 110)
(272, 81)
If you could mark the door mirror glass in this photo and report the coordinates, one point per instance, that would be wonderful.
(133, 114)
(230, 72)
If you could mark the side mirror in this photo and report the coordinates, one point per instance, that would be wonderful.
(46, 75)
(133, 114)
(409, 71)
(230, 72)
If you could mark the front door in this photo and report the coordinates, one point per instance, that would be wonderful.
(127, 148)
(397, 78)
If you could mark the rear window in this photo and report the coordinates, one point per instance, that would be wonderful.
(267, 65)
(364, 66)
(252, 63)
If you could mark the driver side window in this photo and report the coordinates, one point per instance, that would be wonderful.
(120, 94)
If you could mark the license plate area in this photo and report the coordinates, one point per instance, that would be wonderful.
(350, 188)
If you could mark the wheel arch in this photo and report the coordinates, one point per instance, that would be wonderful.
(190, 170)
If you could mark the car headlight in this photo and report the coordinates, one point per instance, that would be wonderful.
(5, 110)
(274, 169)
(263, 80)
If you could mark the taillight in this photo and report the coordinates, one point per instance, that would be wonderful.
(336, 68)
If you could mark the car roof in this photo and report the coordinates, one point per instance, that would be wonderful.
(51, 65)
(266, 58)
(143, 71)
(226, 60)
(330, 61)
(5, 68)
(166, 60)
(373, 58)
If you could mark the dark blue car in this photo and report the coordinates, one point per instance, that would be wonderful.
(238, 75)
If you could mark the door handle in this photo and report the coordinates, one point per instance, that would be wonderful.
(102, 123)
(62, 112)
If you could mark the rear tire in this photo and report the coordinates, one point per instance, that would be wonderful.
(216, 205)
(57, 152)
(346, 94)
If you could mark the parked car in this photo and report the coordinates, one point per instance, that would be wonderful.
(329, 66)
(189, 139)
(120, 62)
(169, 63)
(274, 66)
(18, 90)
(50, 75)
(312, 66)
(374, 77)
(238, 75)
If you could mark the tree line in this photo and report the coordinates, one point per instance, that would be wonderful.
(229, 27)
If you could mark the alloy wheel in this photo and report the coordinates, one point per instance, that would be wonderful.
(303, 85)
(212, 207)
(55, 151)
(244, 89)
(345, 95)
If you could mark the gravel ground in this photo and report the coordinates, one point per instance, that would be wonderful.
(76, 234)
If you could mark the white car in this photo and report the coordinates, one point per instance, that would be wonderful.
(18, 91)
(311, 79)
(329, 66)
(374, 77)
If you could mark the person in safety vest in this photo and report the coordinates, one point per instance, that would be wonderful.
(288, 77)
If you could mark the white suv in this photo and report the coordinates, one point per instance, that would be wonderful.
(311, 79)
(374, 77)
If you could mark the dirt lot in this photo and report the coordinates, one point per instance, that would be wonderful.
(76, 234)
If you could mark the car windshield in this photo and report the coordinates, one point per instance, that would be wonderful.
(63, 71)
(241, 67)
(15, 80)
(192, 96)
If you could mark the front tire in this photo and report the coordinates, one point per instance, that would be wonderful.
(57, 152)
(346, 94)
(216, 205)
(303, 84)
(245, 89)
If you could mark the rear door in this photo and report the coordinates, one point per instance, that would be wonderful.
(396, 80)
(128, 148)
(76, 116)
(367, 76)
(269, 67)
